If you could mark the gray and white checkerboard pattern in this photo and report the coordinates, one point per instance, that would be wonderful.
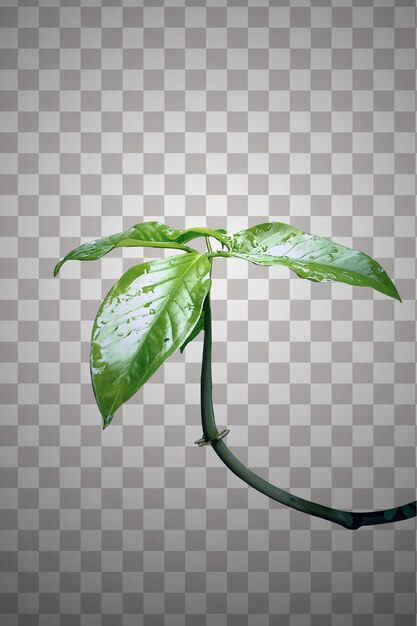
(223, 114)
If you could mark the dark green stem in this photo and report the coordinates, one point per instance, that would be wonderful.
(347, 519)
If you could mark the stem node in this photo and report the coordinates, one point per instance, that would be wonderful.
(208, 442)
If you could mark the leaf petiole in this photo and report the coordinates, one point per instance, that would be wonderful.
(214, 253)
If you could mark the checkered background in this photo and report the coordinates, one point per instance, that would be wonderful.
(222, 114)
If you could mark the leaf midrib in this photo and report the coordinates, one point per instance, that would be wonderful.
(289, 261)
(145, 335)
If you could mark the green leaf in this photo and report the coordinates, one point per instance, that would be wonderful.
(310, 256)
(144, 318)
(146, 234)
(196, 330)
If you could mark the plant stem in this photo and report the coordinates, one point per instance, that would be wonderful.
(348, 519)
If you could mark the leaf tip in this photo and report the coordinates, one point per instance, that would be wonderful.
(106, 421)
(394, 292)
(57, 268)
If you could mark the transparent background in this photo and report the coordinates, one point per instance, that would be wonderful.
(221, 115)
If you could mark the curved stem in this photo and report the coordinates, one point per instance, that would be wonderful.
(347, 519)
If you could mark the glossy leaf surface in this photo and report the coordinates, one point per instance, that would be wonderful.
(310, 256)
(196, 331)
(146, 234)
(145, 317)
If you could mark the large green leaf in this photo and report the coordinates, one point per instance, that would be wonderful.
(310, 256)
(146, 234)
(144, 318)
(152, 234)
